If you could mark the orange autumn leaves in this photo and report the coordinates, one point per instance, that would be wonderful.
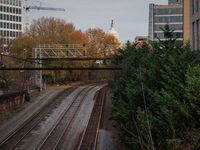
(58, 31)
(100, 43)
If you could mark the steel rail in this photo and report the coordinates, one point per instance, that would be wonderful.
(34, 115)
(62, 116)
(67, 126)
(99, 119)
(104, 97)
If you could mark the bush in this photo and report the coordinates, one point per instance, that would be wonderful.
(171, 90)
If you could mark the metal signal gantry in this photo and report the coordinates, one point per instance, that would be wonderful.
(55, 51)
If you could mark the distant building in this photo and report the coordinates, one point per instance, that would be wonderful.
(159, 15)
(175, 2)
(195, 24)
(141, 39)
(11, 23)
(113, 32)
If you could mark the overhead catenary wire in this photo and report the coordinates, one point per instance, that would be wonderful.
(26, 60)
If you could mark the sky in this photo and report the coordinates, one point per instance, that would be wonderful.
(130, 17)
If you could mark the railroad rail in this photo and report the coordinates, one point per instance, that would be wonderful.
(11, 141)
(25, 130)
(54, 137)
(89, 137)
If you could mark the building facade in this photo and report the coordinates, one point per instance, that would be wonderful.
(11, 23)
(195, 24)
(175, 2)
(159, 15)
(140, 39)
(113, 32)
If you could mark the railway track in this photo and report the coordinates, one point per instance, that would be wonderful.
(53, 139)
(16, 139)
(16, 136)
(89, 136)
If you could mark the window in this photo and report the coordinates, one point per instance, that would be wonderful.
(13, 18)
(20, 27)
(10, 17)
(10, 33)
(7, 25)
(193, 35)
(17, 3)
(1, 8)
(4, 1)
(20, 11)
(4, 33)
(175, 35)
(20, 19)
(17, 26)
(13, 34)
(20, 3)
(1, 16)
(7, 33)
(13, 10)
(13, 2)
(4, 17)
(168, 11)
(17, 18)
(4, 8)
(13, 26)
(1, 1)
(172, 27)
(1, 24)
(169, 19)
(7, 1)
(17, 34)
(1, 32)
(4, 25)
(7, 9)
(16, 10)
(10, 9)
(193, 6)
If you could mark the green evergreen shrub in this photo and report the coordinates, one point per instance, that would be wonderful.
(169, 90)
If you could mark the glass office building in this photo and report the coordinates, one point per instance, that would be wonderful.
(159, 15)
(195, 25)
(175, 2)
(11, 23)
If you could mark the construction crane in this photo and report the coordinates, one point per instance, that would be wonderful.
(38, 8)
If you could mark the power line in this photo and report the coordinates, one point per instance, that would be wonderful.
(60, 68)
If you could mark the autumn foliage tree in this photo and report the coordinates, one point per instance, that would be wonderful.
(58, 31)
(99, 42)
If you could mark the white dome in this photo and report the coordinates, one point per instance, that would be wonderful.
(113, 32)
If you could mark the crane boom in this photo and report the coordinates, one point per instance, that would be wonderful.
(46, 8)
(38, 8)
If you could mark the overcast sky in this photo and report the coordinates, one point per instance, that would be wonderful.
(130, 16)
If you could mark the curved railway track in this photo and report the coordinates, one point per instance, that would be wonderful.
(54, 137)
(89, 137)
(16, 136)
(24, 131)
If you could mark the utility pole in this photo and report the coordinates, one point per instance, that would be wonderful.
(24, 65)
